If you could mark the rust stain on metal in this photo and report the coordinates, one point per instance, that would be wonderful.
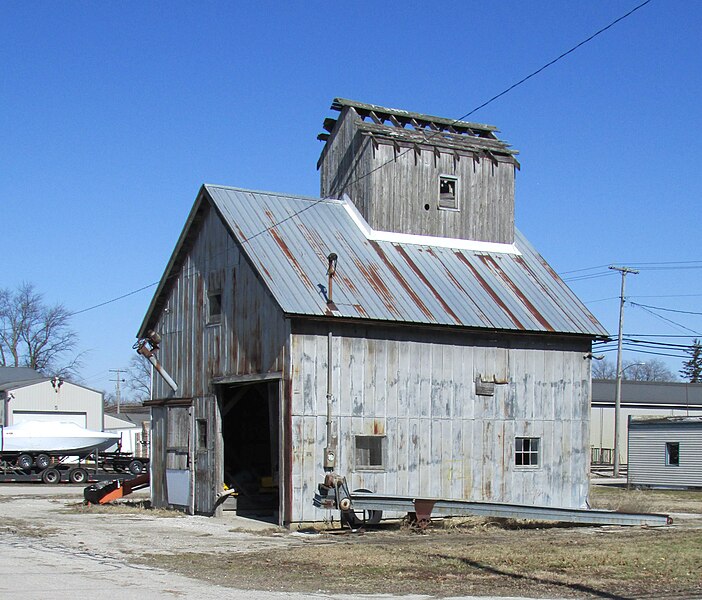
(289, 255)
(458, 284)
(360, 310)
(545, 289)
(548, 268)
(491, 263)
(348, 283)
(378, 427)
(412, 294)
(418, 272)
(370, 273)
(263, 268)
(315, 240)
(240, 232)
(484, 284)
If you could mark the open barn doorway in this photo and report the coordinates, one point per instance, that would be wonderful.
(250, 432)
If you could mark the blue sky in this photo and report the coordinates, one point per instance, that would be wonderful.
(113, 114)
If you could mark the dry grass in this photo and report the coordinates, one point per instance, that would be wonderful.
(582, 562)
(478, 556)
(139, 507)
(656, 501)
(25, 528)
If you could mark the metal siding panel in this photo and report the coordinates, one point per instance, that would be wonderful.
(647, 452)
(292, 249)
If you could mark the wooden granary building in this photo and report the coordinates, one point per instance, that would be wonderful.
(402, 307)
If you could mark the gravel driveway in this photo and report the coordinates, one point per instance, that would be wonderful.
(53, 548)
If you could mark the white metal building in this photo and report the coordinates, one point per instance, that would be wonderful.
(27, 395)
(638, 399)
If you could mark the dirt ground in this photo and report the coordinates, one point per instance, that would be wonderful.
(467, 557)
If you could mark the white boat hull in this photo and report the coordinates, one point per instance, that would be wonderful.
(54, 438)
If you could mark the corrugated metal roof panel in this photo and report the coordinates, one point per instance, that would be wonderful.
(288, 239)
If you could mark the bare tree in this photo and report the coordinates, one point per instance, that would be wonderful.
(35, 335)
(632, 370)
(139, 378)
(604, 369)
(651, 370)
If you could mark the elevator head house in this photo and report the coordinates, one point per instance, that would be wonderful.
(397, 329)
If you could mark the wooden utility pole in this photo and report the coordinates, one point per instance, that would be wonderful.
(117, 381)
(618, 387)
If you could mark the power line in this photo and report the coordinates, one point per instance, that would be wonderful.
(586, 277)
(511, 87)
(585, 269)
(685, 312)
(669, 296)
(477, 108)
(667, 320)
(141, 289)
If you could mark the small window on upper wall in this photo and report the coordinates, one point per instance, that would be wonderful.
(448, 192)
(214, 308)
(672, 454)
(201, 434)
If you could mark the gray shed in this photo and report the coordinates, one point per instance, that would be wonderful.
(665, 451)
(453, 361)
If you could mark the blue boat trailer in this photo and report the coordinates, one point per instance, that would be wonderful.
(363, 507)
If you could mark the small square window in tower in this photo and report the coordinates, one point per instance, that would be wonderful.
(448, 192)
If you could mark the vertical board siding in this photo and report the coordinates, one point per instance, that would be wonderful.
(442, 439)
(393, 198)
(647, 456)
(251, 334)
(250, 338)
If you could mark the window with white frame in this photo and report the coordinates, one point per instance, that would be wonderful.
(448, 192)
(369, 452)
(527, 452)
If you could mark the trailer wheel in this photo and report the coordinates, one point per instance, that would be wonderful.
(78, 475)
(25, 462)
(136, 467)
(42, 461)
(358, 518)
(51, 476)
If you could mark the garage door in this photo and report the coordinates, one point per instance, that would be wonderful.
(78, 418)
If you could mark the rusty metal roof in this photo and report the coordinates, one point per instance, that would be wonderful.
(288, 238)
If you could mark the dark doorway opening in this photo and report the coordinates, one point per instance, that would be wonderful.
(250, 432)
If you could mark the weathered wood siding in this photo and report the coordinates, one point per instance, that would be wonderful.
(250, 338)
(442, 439)
(395, 196)
(647, 454)
(251, 334)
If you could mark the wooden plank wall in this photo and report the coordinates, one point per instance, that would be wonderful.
(251, 335)
(410, 181)
(442, 439)
(391, 188)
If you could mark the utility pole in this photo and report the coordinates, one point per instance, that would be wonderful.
(618, 387)
(117, 381)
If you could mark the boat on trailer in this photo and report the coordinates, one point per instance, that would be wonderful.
(54, 438)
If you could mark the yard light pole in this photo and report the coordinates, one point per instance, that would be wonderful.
(618, 387)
